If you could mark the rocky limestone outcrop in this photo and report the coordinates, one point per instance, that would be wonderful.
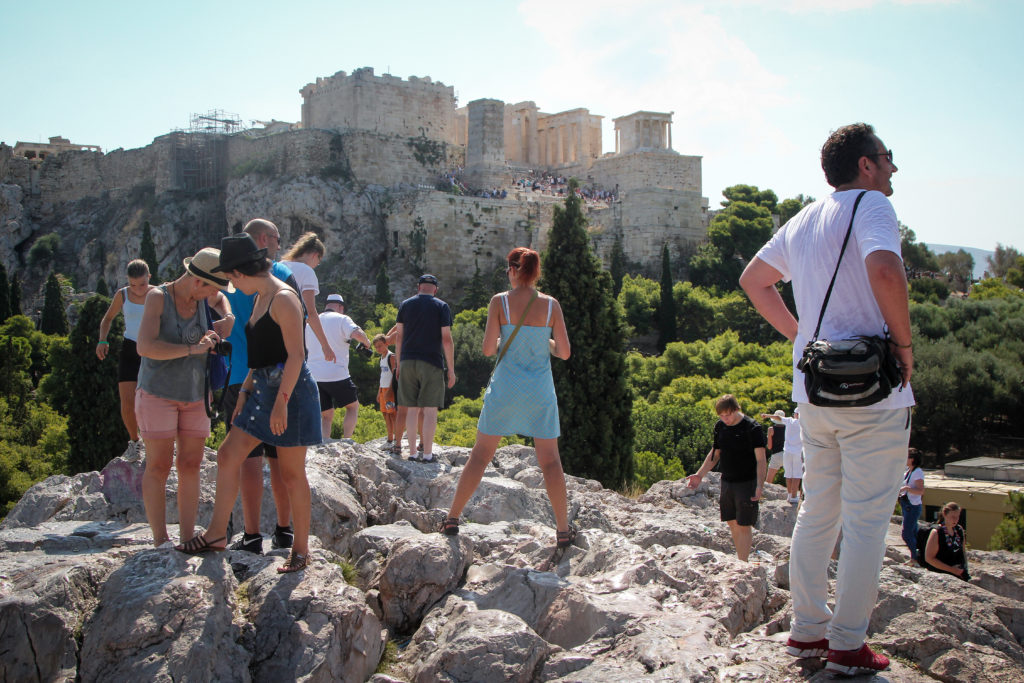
(651, 590)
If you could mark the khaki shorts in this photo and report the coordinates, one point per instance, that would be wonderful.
(420, 384)
(775, 461)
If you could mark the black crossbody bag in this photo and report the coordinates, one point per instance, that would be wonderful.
(846, 373)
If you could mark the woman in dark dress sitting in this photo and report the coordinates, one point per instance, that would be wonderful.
(946, 547)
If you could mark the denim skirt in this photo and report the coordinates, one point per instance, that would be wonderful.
(303, 409)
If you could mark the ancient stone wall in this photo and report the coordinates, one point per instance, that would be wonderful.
(666, 170)
(646, 219)
(382, 104)
(449, 236)
(485, 153)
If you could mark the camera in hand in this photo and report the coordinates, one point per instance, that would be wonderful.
(364, 351)
(222, 348)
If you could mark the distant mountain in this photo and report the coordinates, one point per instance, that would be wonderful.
(980, 256)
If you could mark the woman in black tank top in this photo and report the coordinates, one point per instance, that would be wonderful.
(277, 404)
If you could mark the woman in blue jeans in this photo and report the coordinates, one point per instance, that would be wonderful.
(910, 501)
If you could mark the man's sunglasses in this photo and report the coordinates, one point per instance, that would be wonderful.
(887, 154)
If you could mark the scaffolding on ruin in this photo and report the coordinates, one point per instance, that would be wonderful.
(198, 153)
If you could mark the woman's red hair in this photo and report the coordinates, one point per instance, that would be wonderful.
(526, 263)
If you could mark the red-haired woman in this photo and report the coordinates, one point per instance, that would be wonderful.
(520, 398)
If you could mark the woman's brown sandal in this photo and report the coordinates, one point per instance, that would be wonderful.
(564, 539)
(296, 563)
(450, 526)
(199, 545)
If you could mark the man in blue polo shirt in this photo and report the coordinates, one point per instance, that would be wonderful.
(266, 236)
(423, 345)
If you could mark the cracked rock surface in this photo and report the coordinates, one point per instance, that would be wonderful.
(651, 590)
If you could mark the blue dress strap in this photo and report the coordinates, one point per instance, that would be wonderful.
(504, 306)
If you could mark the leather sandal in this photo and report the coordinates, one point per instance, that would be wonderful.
(564, 539)
(199, 545)
(450, 526)
(296, 562)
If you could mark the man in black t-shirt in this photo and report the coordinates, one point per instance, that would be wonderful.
(740, 447)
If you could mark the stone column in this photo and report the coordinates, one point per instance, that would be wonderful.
(485, 146)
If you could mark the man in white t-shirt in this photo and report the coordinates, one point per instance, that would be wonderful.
(792, 452)
(332, 376)
(854, 456)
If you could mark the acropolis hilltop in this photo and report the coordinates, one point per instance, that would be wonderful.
(390, 171)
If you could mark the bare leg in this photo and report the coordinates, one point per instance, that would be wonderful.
(389, 422)
(159, 458)
(400, 419)
(742, 538)
(770, 479)
(252, 493)
(410, 428)
(282, 503)
(351, 415)
(419, 430)
(554, 480)
(473, 472)
(188, 461)
(326, 420)
(292, 463)
(126, 392)
(428, 428)
(236, 447)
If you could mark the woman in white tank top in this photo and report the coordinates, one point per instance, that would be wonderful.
(130, 301)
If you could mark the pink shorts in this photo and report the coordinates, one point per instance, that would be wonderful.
(161, 418)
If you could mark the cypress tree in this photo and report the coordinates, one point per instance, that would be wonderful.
(95, 432)
(53, 319)
(667, 307)
(477, 293)
(594, 402)
(5, 295)
(617, 266)
(101, 287)
(383, 293)
(15, 295)
(147, 252)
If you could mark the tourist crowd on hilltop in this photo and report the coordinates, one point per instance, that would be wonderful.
(844, 451)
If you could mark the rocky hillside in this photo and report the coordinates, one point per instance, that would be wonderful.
(650, 592)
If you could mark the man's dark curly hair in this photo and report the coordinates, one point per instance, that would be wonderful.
(842, 151)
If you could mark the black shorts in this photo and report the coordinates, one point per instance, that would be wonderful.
(735, 504)
(230, 400)
(128, 362)
(337, 394)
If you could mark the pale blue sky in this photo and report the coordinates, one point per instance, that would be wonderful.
(755, 85)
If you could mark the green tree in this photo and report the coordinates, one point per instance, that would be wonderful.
(1009, 534)
(639, 302)
(382, 294)
(734, 236)
(617, 267)
(651, 468)
(958, 267)
(102, 288)
(53, 319)
(5, 295)
(15, 295)
(916, 255)
(1002, 260)
(750, 194)
(39, 344)
(598, 442)
(474, 368)
(667, 305)
(1015, 275)
(147, 252)
(790, 207)
(95, 433)
(44, 249)
(477, 292)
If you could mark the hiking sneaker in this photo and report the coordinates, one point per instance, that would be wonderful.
(283, 537)
(803, 650)
(855, 662)
(250, 543)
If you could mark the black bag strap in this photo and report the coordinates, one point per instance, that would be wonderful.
(846, 240)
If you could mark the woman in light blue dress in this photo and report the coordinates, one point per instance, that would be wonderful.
(520, 398)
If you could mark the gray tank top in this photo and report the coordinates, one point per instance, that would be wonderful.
(178, 379)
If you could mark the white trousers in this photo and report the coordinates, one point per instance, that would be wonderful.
(854, 457)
